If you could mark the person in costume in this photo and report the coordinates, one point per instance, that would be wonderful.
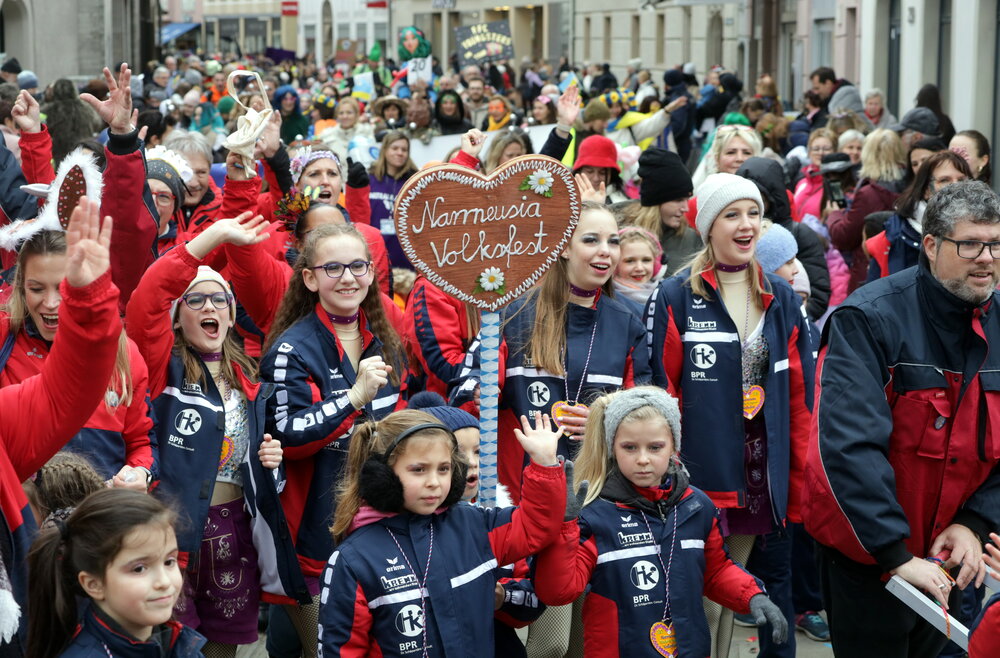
(731, 342)
(643, 530)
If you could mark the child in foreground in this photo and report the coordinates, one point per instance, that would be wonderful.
(414, 573)
(117, 555)
(647, 544)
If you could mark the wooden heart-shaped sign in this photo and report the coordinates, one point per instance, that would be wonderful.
(487, 239)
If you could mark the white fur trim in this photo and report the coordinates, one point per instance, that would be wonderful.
(180, 165)
(10, 615)
(18, 231)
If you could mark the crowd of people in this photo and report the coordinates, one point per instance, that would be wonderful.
(252, 413)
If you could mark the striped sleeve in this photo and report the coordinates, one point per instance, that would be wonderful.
(345, 621)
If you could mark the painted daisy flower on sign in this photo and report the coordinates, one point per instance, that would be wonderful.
(539, 182)
(491, 280)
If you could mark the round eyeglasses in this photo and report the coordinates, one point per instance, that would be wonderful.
(196, 300)
(336, 270)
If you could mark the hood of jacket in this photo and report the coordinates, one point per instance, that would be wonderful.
(770, 178)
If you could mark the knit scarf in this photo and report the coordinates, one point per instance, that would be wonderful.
(497, 125)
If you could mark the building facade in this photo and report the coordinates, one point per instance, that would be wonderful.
(322, 23)
(91, 34)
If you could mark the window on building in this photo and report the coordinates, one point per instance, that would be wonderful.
(685, 35)
(607, 38)
(823, 42)
(944, 49)
(586, 39)
(380, 35)
(636, 35)
(661, 38)
(343, 30)
(361, 34)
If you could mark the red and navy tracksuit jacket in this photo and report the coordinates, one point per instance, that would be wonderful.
(696, 354)
(437, 326)
(96, 637)
(39, 415)
(371, 601)
(618, 360)
(111, 437)
(984, 636)
(906, 434)
(610, 550)
(191, 428)
(894, 249)
(312, 416)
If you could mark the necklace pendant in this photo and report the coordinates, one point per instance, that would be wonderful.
(753, 400)
(663, 639)
(561, 409)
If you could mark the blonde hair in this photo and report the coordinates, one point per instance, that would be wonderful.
(649, 218)
(596, 460)
(374, 438)
(725, 134)
(547, 343)
(883, 156)
(823, 133)
(299, 301)
(704, 261)
(53, 243)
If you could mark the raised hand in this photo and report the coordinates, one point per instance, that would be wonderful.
(88, 244)
(270, 140)
(992, 555)
(587, 191)
(472, 142)
(568, 107)
(243, 230)
(26, 114)
(235, 169)
(373, 374)
(116, 111)
(540, 441)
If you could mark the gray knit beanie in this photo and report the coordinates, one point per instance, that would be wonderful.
(717, 192)
(626, 401)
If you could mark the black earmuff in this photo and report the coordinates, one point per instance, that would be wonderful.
(381, 488)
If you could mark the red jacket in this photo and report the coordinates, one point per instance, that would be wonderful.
(985, 637)
(847, 226)
(39, 415)
(106, 429)
(809, 193)
(437, 327)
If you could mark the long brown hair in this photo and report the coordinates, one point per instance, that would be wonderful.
(547, 343)
(53, 243)
(375, 437)
(649, 218)
(380, 168)
(94, 534)
(232, 356)
(299, 301)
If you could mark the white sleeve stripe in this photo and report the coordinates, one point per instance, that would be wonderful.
(398, 597)
(781, 365)
(626, 553)
(692, 543)
(472, 574)
(191, 399)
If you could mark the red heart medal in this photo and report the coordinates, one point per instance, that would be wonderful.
(753, 401)
(661, 636)
(561, 409)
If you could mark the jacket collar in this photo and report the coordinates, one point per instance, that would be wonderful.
(619, 490)
(169, 639)
(945, 310)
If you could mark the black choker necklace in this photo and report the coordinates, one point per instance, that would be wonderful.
(580, 292)
(342, 319)
(211, 356)
(732, 268)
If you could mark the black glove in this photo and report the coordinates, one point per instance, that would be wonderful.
(765, 612)
(574, 501)
(357, 175)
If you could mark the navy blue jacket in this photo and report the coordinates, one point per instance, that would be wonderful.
(611, 551)
(893, 250)
(695, 350)
(371, 599)
(96, 639)
(618, 360)
(314, 419)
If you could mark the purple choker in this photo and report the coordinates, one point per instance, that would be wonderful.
(343, 319)
(732, 268)
(580, 292)
(211, 356)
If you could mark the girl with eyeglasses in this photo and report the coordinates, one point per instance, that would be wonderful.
(809, 189)
(215, 459)
(335, 361)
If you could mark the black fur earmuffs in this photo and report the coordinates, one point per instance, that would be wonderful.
(381, 488)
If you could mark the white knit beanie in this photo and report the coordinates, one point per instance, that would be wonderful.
(206, 273)
(717, 192)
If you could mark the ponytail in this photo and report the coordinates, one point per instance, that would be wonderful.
(87, 541)
(595, 460)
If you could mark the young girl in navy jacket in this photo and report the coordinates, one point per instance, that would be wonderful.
(646, 544)
(334, 359)
(105, 580)
(414, 573)
(216, 459)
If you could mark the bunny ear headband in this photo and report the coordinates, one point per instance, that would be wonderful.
(78, 176)
(250, 126)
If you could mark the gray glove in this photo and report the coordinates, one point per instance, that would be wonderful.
(574, 501)
(765, 612)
